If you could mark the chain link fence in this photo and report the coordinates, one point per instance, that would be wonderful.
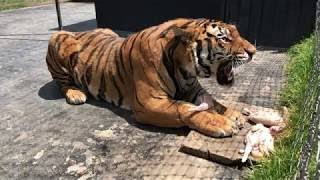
(308, 135)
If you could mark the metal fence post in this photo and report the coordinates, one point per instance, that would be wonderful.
(58, 14)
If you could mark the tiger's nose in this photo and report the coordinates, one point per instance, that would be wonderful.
(251, 50)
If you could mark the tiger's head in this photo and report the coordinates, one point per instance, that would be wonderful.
(219, 49)
(215, 47)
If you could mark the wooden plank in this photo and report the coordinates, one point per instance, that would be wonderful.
(220, 150)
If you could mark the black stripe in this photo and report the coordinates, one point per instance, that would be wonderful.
(185, 25)
(185, 74)
(118, 66)
(130, 52)
(53, 61)
(191, 90)
(144, 72)
(191, 84)
(83, 81)
(102, 51)
(88, 74)
(149, 46)
(192, 114)
(162, 80)
(151, 31)
(209, 48)
(102, 87)
(164, 32)
(167, 61)
(172, 103)
(220, 45)
(71, 44)
(75, 79)
(62, 77)
(73, 60)
(90, 39)
(138, 101)
(81, 35)
(142, 34)
(199, 92)
(141, 42)
(201, 21)
(60, 41)
(155, 97)
(95, 50)
(199, 48)
(220, 58)
(52, 70)
(102, 37)
(86, 66)
(102, 83)
(121, 58)
(118, 91)
(124, 43)
(200, 60)
(219, 53)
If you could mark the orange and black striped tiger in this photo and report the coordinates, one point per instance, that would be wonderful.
(153, 72)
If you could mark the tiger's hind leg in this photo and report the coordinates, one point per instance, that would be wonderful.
(60, 60)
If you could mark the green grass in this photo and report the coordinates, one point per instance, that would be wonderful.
(14, 4)
(298, 71)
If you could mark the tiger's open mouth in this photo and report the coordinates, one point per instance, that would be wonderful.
(225, 74)
(227, 70)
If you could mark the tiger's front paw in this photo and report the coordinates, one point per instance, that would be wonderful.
(217, 125)
(75, 96)
(230, 127)
(235, 116)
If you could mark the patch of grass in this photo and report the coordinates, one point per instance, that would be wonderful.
(298, 72)
(14, 4)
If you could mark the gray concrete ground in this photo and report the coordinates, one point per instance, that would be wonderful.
(41, 136)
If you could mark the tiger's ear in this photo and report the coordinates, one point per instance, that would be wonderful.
(176, 32)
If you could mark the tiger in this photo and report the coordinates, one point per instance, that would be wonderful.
(154, 72)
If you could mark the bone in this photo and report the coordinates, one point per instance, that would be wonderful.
(201, 107)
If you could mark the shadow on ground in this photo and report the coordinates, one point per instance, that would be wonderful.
(80, 26)
(50, 91)
(87, 26)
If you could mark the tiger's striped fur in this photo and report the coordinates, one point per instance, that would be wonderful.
(153, 72)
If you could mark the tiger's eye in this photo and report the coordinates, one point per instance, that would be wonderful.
(226, 39)
(209, 35)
